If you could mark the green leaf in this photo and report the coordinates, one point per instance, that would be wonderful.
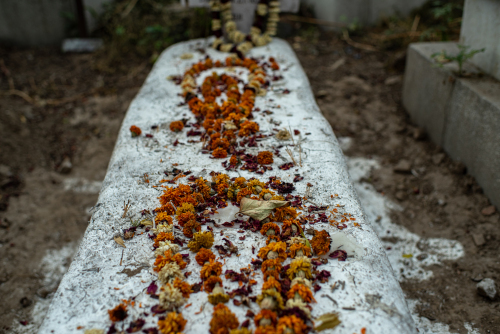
(259, 210)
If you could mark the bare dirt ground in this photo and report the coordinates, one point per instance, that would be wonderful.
(44, 208)
(77, 116)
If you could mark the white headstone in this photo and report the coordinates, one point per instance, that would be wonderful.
(244, 10)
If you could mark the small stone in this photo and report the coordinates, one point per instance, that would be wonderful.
(478, 239)
(403, 166)
(401, 195)
(419, 134)
(25, 302)
(486, 288)
(489, 210)
(321, 94)
(66, 166)
(422, 256)
(441, 202)
(395, 79)
(437, 159)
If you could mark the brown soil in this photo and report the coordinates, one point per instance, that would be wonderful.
(77, 116)
(361, 99)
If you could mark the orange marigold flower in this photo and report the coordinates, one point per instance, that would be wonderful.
(203, 188)
(163, 217)
(168, 208)
(219, 153)
(290, 227)
(240, 181)
(212, 268)
(135, 130)
(265, 158)
(291, 324)
(234, 160)
(174, 323)
(265, 330)
(275, 250)
(223, 320)
(183, 286)
(299, 250)
(272, 268)
(185, 217)
(162, 236)
(272, 283)
(269, 229)
(321, 242)
(303, 291)
(204, 255)
(118, 313)
(176, 126)
(243, 193)
(283, 213)
(269, 317)
(190, 228)
(210, 283)
(272, 238)
(162, 260)
(220, 142)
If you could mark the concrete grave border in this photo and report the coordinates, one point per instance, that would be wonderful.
(370, 295)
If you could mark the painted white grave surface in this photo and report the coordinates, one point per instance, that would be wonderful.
(103, 273)
(244, 10)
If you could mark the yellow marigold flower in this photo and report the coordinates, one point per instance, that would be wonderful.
(266, 194)
(270, 299)
(165, 246)
(174, 323)
(185, 207)
(277, 198)
(242, 330)
(265, 158)
(300, 267)
(170, 297)
(231, 191)
(165, 228)
(273, 251)
(201, 240)
(176, 126)
(291, 324)
(266, 318)
(218, 296)
(223, 320)
(270, 229)
(272, 283)
(222, 188)
(204, 255)
(301, 280)
(256, 186)
(212, 268)
(163, 217)
(321, 242)
(169, 272)
(301, 291)
(291, 303)
(299, 250)
(221, 179)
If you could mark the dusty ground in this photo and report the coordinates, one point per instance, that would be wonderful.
(42, 209)
(78, 114)
(362, 100)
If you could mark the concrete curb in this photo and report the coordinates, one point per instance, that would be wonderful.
(460, 114)
(371, 296)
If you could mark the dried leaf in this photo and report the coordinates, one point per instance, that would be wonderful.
(119, 241)
(328, 321)
(146, 222)
(259, 210)
(186, 56)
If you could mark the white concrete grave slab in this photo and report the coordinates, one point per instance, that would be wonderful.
(103, 273)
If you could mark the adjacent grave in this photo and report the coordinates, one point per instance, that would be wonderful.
(362, 289)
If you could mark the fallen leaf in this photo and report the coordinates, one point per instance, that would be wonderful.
(407, 256)
(146, 222)
(119, 241)
(328, 321)
(186, 56)
(259, 210)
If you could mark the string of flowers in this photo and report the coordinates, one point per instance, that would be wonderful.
(241, 43)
